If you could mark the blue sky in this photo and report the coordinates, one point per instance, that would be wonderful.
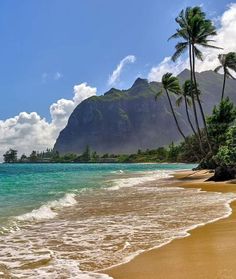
(49, 46)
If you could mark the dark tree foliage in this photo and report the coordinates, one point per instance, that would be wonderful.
(33, 157)
(10, 156)
(227, 153)
(86, 156)
(219, 122)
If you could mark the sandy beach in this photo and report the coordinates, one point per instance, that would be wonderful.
(209, 251)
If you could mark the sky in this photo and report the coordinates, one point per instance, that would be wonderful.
(54, 54)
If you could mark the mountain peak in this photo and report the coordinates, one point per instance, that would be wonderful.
(111, 91)
(185, 72)
(140, 81)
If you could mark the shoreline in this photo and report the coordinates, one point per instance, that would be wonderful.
(181, 255)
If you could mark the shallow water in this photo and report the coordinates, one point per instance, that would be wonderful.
(71, 221)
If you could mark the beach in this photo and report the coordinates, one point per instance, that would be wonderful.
(106, 221)
(209, 251)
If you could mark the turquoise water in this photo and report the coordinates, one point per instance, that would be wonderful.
(75, 220)
(24, 187)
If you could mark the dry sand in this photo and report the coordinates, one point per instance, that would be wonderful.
(209, 252)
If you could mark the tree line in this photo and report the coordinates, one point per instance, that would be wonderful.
(170, 154)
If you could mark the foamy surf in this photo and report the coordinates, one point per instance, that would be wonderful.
(49, 210)
(108, 228)
(140, 179)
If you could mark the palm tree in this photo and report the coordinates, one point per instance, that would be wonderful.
(195, 31)
(227, 63)
(186, 98)
(171, 85)
(183, 32)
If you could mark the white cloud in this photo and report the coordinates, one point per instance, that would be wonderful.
(28, 131)
(226, 37)
(117, 72)
(25, 132)
(61, 110)
(165, 66)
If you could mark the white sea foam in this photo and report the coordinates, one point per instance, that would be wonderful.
(48, 210)
(181, 234)
(98, 235)
(140, 179)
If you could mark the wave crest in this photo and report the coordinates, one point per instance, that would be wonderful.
(48, 210)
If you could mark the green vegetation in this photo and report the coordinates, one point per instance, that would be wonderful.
(10, 156)
(219, 123)
(226, 154)
(171, 154)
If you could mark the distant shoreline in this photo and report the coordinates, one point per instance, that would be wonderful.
(141, 163)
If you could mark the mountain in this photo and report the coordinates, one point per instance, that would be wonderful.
(123, 121)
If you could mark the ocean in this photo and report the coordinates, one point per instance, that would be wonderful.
(75, 220)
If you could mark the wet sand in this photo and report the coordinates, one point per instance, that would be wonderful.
(208, 253)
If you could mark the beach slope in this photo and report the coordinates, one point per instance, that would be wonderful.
(209, 252)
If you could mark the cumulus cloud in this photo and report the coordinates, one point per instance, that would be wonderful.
(25, 132)
(226, 36)
(29, 131)
(61, 110)
(167, 65)
(117, 72)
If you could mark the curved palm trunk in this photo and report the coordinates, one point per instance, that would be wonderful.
(199, 102)
(223, 89)
(188, 116)
(199, 137)
(192, 94)
(175, 118)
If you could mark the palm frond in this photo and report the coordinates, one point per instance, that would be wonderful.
(198, 54)
(174, 36)
(171, 83)
(210, 46)
(228, 74)
(217, 69)
(230, 61)
(181, 47)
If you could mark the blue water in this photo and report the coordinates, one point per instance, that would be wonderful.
(24, 187)
(72, 220)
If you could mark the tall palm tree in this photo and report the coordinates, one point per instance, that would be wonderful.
(186, 98)
(227, 63)
(183, 32)
(202, 30)
(195, 31)
(170, 84)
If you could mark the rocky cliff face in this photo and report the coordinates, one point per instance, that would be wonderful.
(128, 120)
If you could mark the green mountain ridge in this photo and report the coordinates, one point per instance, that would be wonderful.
(123, 121)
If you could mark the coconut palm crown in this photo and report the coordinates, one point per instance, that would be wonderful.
(195, 30)
(170, 83)
(227, 63)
